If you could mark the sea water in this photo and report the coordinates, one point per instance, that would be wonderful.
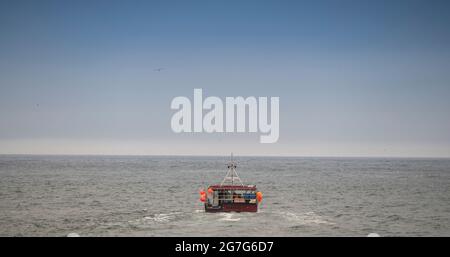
(158, 196)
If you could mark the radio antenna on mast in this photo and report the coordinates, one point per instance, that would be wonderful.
(232, 175)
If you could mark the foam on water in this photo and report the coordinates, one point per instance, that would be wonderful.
(157, 218)
(306, 218)
(229, 217)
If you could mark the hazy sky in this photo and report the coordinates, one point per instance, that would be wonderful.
(355, 78)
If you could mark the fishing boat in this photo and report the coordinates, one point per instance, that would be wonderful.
(231, 195)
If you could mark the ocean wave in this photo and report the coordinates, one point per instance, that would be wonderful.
(157, 218)
(306, 218)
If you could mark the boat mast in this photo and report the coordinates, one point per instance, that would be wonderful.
(232, 175)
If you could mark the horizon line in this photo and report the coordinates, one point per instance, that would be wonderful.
(243, 155)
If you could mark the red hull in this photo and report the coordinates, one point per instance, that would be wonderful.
(233, 207)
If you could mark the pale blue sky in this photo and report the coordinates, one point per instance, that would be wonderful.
(355, 78)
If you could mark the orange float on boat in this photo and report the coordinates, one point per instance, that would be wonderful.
(259, 196)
